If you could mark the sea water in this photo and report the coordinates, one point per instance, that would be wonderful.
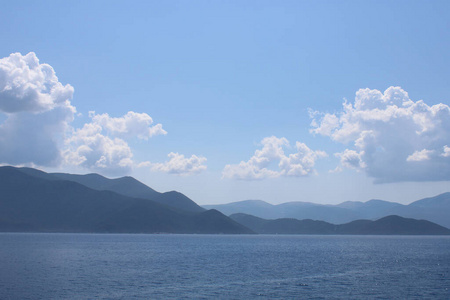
(133, 266)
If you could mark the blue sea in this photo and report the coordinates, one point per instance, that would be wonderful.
(134, 266)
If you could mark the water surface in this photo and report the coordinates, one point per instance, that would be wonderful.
(127, 266)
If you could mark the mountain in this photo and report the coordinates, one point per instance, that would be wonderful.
(439, 201)
(42, 203)
(127, 186)
(296, 210)
(253, 207)
(390, 225)
(393, 225)
(370, 209)
(284, 225)
(435, 209)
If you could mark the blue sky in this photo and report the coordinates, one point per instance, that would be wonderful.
(232, 82)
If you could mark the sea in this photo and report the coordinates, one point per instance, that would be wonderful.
(168, 266)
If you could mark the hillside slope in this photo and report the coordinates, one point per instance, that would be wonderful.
(35, 204)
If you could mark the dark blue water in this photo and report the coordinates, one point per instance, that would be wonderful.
(82, 266)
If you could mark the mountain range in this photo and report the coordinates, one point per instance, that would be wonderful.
(389, 225)
(127, 186)
(35, 201)
(32, 200)
(435, 209)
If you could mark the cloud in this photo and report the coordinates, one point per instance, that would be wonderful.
(351, 159)
(258, 166)
(420, 155)
(37, 109)
(446, 151)
(37, 130)
(27, 85)
(89, 148)
(179, 165)
(99, 146)
(130, 125)
(389, 136)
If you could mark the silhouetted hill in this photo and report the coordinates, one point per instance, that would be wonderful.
(39, 203)
(434, 209)
(390, 225)
(127, 186)
(393, 225)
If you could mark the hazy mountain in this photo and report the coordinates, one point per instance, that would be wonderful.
(370, 209)
(40, 203)
(435, 209)
(284, 225)
(127, 186)
(297, 210)
(389, 225)
(253, 207)
(393, 225)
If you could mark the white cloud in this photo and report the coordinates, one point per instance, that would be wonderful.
(180, 165)
(351, 159)
(388, 134)
(446, 152)
(99, 146)
(37, 109)
(329, 122)
(37, 114)
(420, 155)
(27, 85)
(258, 166)
(130, 125)
(89, 148)
(300, 163)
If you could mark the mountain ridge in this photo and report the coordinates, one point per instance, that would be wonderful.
(435, 209)
(389, 225)
(42, 204)
(127, 186)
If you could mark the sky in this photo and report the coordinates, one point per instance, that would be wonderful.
(318, 101)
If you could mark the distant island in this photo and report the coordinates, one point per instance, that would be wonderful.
(434, 209)
(35, 201)
(390, 225)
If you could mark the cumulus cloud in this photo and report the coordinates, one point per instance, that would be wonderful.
(391, 137)
(27, 85)
(258, 166)
(420, 155)
(130, 125)
(351, 159)
(89, 148)
(180, 165)
(37, 109)
(36, 128)
(446, 151)
(98, 145)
